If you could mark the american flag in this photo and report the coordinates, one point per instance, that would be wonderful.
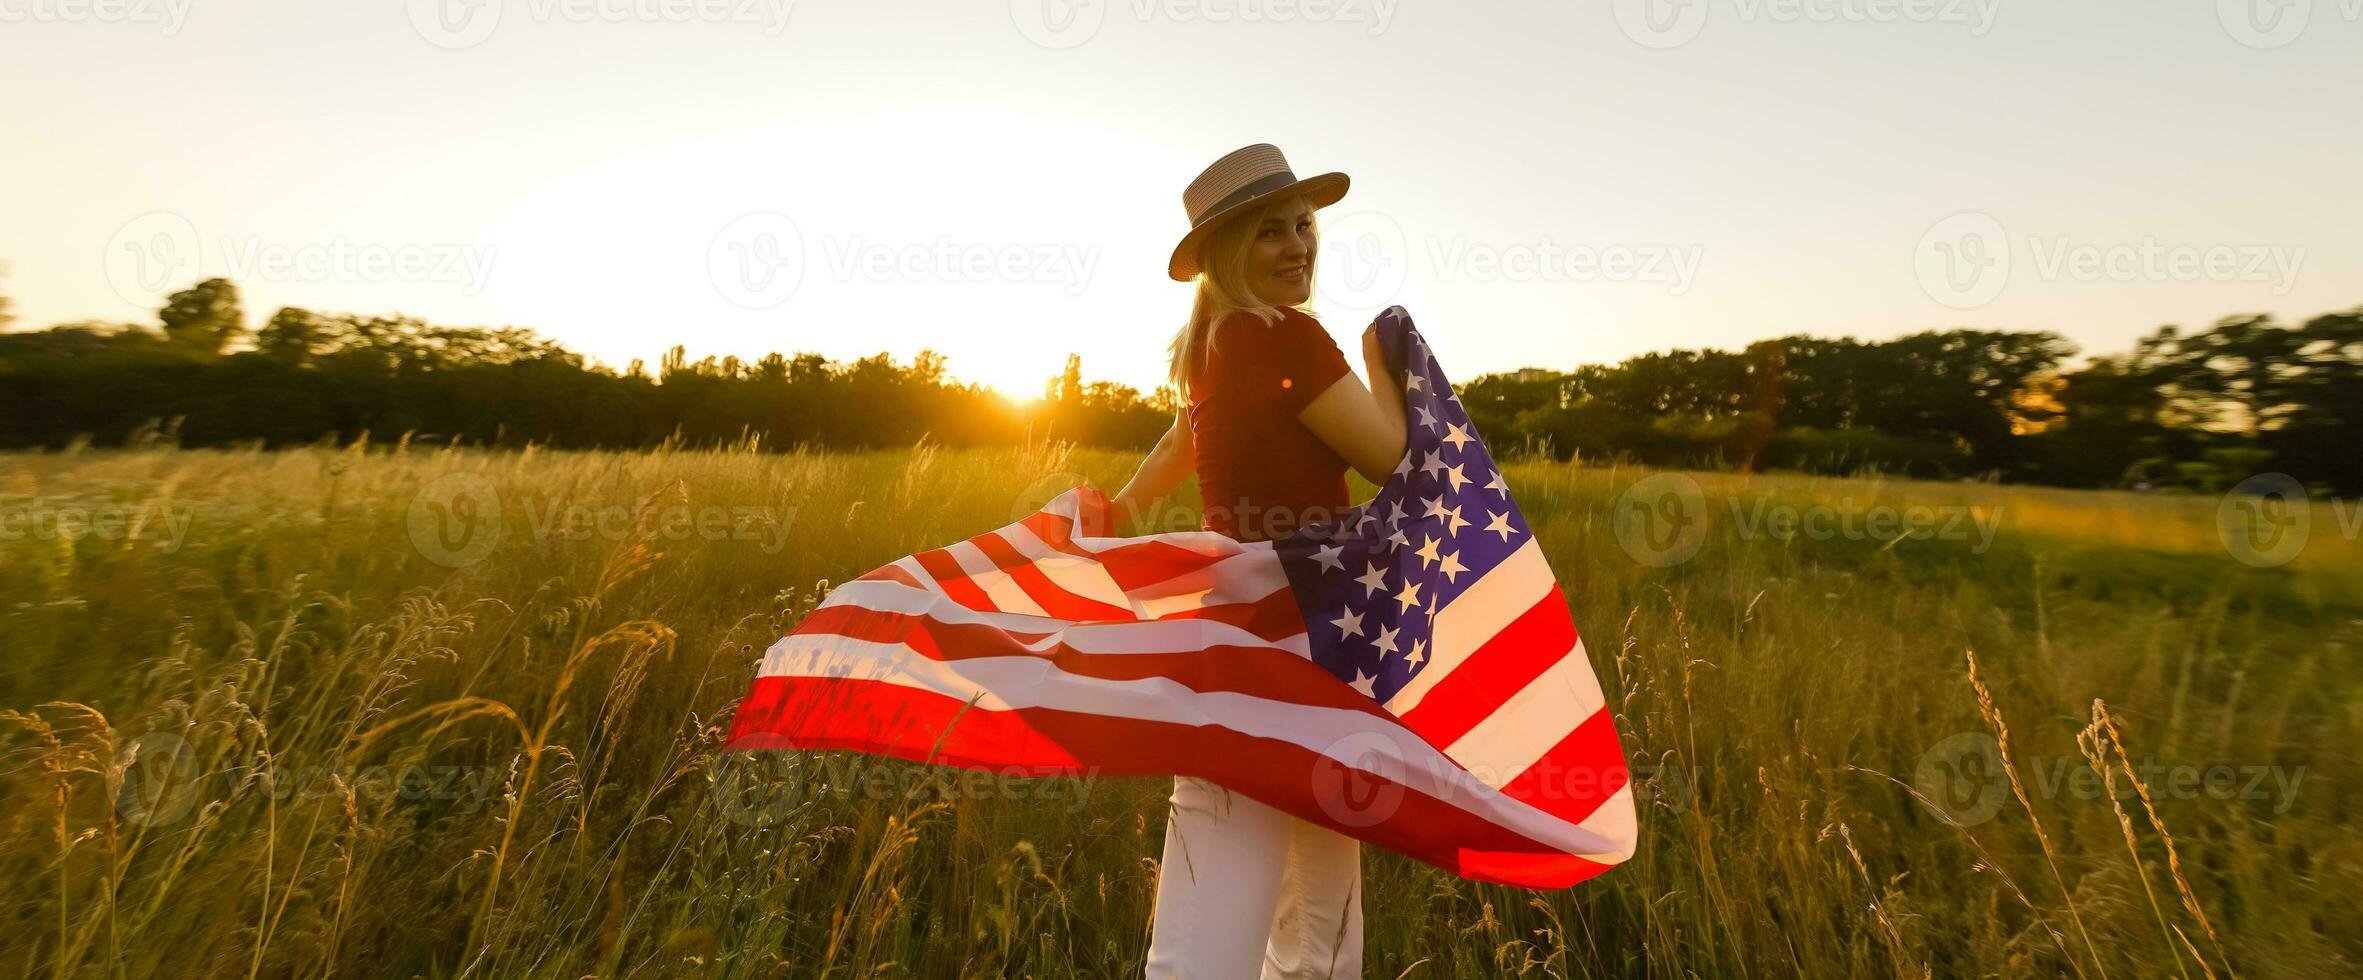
(1407, 673)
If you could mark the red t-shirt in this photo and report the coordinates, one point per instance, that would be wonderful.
(1261, 473)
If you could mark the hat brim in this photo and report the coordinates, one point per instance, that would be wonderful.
(1321, 190)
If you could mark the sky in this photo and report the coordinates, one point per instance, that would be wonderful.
(1540, 184)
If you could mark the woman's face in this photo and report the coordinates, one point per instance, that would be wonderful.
(1280, 255)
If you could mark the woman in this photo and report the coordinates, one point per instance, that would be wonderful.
(1272, 418)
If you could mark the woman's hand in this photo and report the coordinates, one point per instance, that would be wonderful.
(1374, 355)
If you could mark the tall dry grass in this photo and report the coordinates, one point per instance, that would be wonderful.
(208, 731)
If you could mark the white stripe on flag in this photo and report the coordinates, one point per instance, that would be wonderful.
(1081, 576)
(1533, 721)
(1006, 594)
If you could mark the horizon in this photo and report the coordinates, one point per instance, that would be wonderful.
(1026, 396)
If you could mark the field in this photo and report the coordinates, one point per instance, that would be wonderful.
(270, 714)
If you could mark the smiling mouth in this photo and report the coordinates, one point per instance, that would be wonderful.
(1292, 275)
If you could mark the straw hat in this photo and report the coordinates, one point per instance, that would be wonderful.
(1242, 179)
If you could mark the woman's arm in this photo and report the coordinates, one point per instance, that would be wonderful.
(1364, 425)
(1164, 469)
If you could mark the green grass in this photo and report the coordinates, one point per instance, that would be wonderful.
(560, 704)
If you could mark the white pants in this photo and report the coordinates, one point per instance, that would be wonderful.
(1246, 890)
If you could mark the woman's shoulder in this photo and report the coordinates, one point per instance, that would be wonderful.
(1289, 321)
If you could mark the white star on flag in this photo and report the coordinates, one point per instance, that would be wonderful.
(1328, 556)
(1350, 623)
(1501, 525)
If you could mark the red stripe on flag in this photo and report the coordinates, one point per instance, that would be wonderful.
(1499, 668)
(953, 580)
(890, 719)
(1053, 598)
(1571, 780)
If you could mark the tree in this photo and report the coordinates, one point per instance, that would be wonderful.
(203, 318)
(292, 336)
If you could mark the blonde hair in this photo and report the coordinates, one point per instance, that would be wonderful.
(1223, 290)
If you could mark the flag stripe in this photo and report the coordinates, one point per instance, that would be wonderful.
(851, 635)
(952, 580)
(1576, 775)
(1173, 633)
(1027, 577)
(1371, 743)
(911, 723)
(1488, 607)
(1508, 661)
(1006, 594)
(1506, 743)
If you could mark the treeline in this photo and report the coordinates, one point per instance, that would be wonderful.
(2189, 410)
(305, 376)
